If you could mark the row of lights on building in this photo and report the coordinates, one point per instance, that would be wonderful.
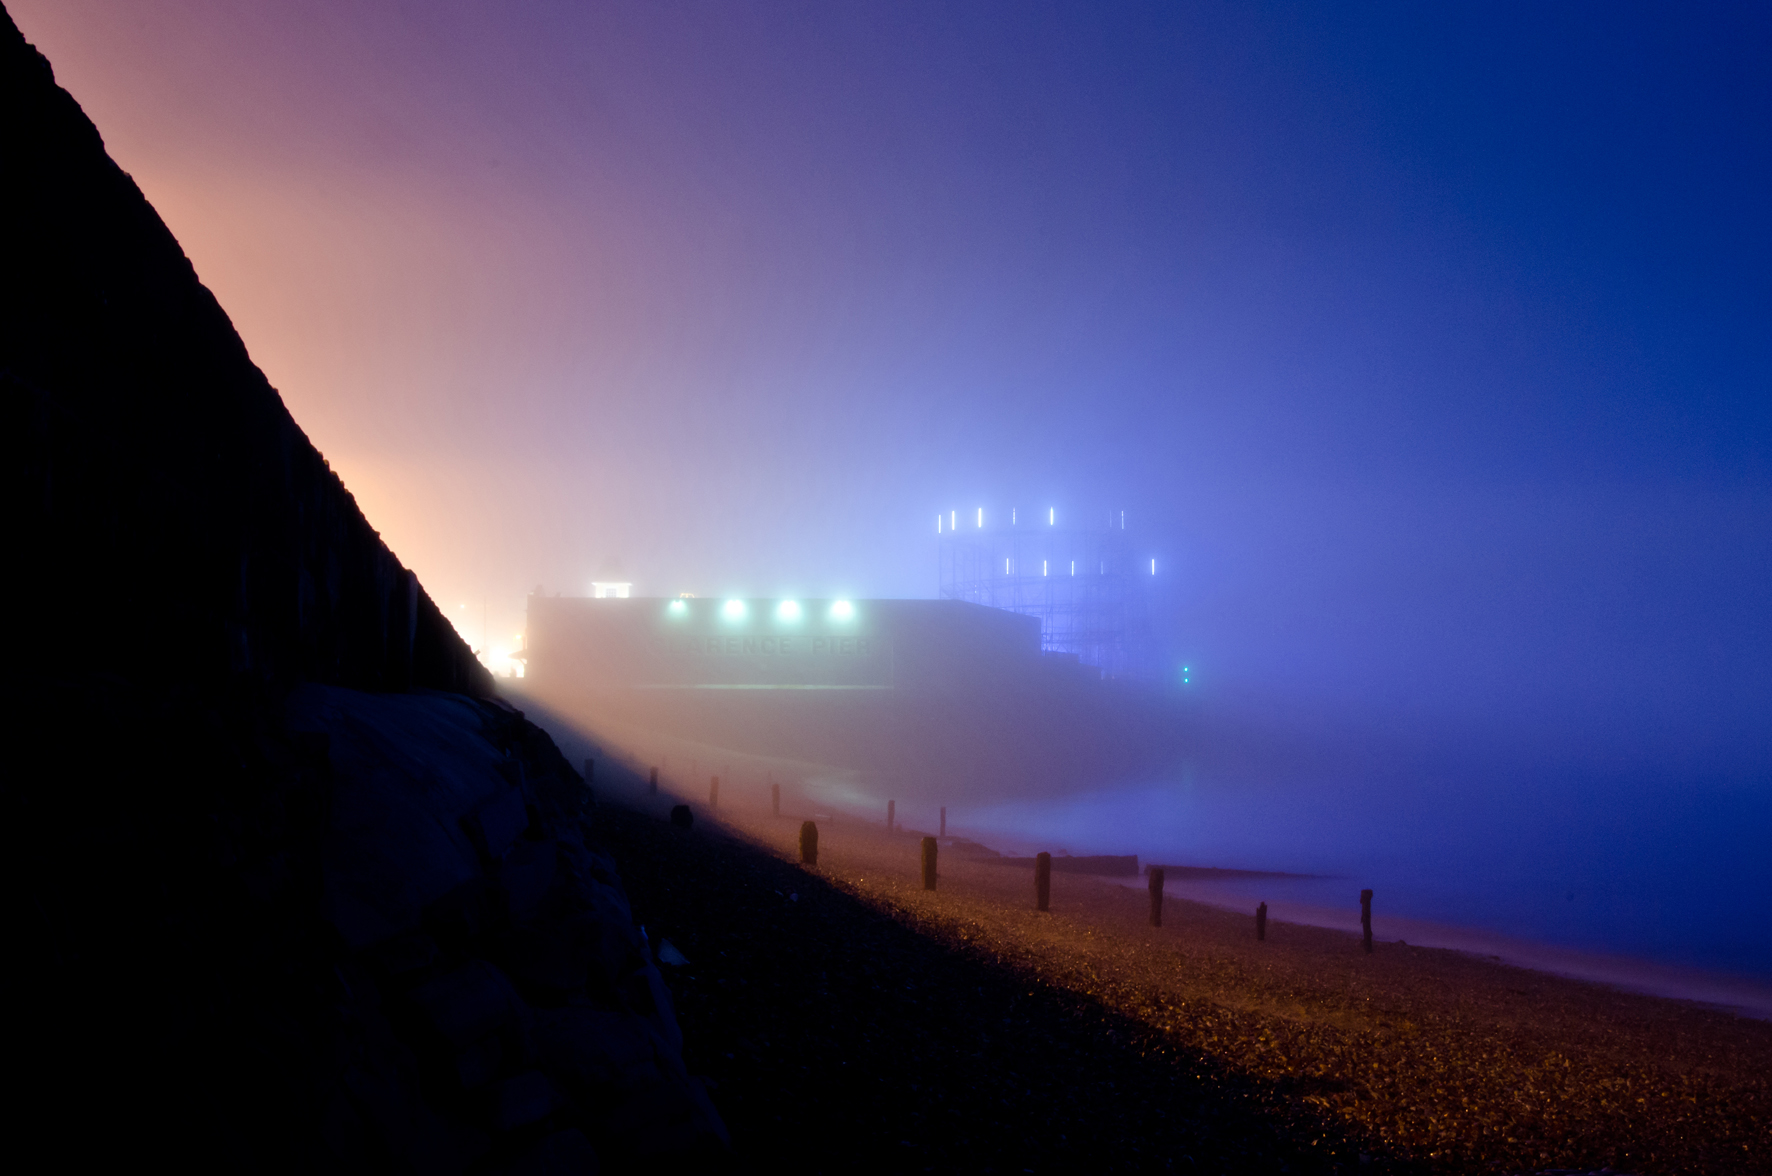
(1051, 521)
(787, 611)
(1046, 567)
(953, 519)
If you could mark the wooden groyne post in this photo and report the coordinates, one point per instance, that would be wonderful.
(1156, 885)
(775, 800)
(1261, 921)
(652, 784)
(928, 863)
(713, 792)
(1043, 882)
(944, 820)
(891, 807)
(808, 843)
(1366, 920)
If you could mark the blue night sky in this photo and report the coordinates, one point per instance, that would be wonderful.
(1428, 347)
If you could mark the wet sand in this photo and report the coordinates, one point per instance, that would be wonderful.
(1738, 994)
(1301, 1051)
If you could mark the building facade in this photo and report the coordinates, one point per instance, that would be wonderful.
(1089, 587)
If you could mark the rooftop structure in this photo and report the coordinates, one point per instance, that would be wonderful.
(1088, 584)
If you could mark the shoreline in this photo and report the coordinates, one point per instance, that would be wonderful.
(1427, 1058)
(1733, 992)
(1743, 995)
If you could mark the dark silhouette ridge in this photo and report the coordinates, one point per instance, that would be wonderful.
(178, 523)
(298, 892)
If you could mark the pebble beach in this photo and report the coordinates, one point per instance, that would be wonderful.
(846, 1018)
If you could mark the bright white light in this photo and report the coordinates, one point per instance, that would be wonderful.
(1122, 520)
(938, 524)
(953, 516)
(1005, 567)
(1012, 516)
(1153, 567)
(1043, 567)
(981, 516)
(1073, 567)
(733, 610)
(842, 611)
(788, 610)
(677, 608)
(1051, 516)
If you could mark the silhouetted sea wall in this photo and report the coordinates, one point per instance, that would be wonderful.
(171, 517)
(295, 890)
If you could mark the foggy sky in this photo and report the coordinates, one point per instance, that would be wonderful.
(1428, 351)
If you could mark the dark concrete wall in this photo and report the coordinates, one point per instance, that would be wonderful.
(168, 516)
(182, 566)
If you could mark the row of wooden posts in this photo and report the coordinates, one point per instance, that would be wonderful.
(714, 791)
(1043, 884)
(1042, 862)
(809, 852)
(774, 798)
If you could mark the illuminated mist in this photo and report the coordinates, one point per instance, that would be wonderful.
(1427, 352)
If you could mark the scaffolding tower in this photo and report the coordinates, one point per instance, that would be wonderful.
(1089, 586)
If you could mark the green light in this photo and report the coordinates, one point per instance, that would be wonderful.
(733, 610)
(677, 608)
(842, 611)
(788, 610)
